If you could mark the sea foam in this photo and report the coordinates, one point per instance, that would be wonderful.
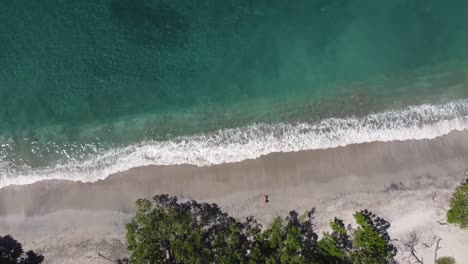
(236, 144)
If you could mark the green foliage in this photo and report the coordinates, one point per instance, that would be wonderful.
(167, 231)
(445, 260)
(368, 244)
(290, 241)
(11, 252)
(335, 247)
(458, 213)
(371, 240)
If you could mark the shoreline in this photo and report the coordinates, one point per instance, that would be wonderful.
(49, 214)
(227, 146)
(377, 164)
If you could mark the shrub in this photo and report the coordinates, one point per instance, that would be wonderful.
(458, 213)
(445, 260)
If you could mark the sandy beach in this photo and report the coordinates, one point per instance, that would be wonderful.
(407, 182)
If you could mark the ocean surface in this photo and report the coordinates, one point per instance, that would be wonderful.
(89, 88)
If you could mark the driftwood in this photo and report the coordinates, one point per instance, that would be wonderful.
(106, 258)
(436, 249)
(410, 246)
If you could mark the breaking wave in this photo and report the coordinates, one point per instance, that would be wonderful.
(233, 145)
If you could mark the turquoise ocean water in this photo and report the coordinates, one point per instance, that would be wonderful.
(88, 88)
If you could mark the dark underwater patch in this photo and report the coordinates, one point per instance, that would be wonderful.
(150, 23)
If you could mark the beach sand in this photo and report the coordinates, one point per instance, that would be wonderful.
(407, 182)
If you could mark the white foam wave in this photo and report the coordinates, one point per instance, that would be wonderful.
(233, 145)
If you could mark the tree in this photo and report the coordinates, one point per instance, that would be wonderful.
(458, 213)
(368, 244)
(166, 231)
(292, 240)
(371, 242)
(335, 247)
(11, 252)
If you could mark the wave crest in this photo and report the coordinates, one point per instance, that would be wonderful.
(233, 145)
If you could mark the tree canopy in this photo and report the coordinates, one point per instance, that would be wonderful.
(11, 252)
(165, 230)
(458, 213)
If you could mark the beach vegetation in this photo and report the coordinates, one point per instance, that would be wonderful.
(445, 260)
(290, 240)
(458, 213)
(11, 252)
(165, 230)
(335, 246)
(371, 240)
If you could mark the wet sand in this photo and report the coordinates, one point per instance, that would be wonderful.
(70, 221)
